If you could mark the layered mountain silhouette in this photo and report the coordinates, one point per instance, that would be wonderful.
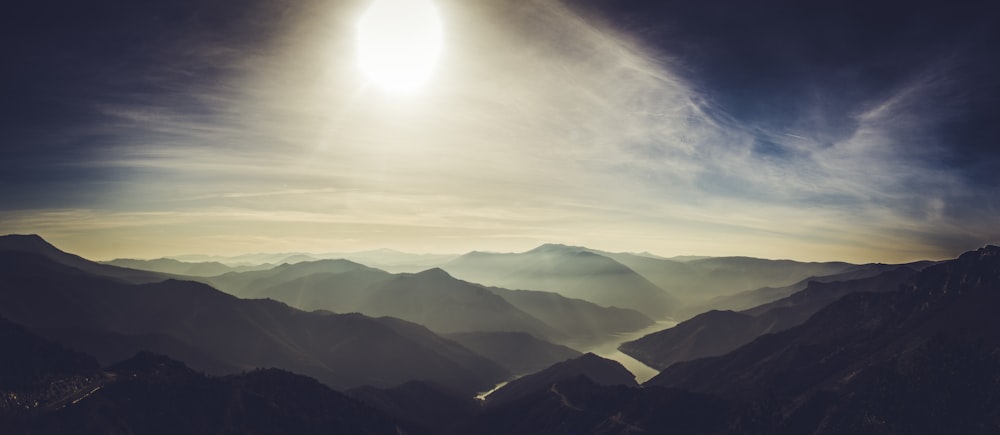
(923, 359)
(432, 298)
(600, 371)
(175, 267)
(518, 352)
(340, 350)
(34, 244)
(752, 298)
(719, 332)
(270, 282)
(698, 280)
(570, 271)
(903, 351)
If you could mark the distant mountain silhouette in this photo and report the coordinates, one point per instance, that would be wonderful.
(719, 332)
(600, 371)
(752, 298)
(575, 318)
(924, 359)
(699, 279)
(175, 267)
(340, 350)
(434, 298)
(36, 245)
(868, 356)
(265, 283)
(444, 304)
(570, 271)
(395, 261)
(518, 352)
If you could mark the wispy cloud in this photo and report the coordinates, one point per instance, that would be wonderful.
(540, 125)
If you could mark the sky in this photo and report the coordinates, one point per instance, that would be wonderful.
(857, 131)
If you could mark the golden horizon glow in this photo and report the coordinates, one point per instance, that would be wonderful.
(399, 43)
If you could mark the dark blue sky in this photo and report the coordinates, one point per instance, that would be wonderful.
(854, 130)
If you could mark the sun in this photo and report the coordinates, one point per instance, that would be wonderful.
(399, 43)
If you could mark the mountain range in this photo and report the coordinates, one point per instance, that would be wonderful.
(341, 350)
(909, 349)
(432, 298)
(718, 332)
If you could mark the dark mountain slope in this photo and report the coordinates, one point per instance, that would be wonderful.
(34, 244)
(746, 300)
(340, 350)
(719, 332)
(152, 394)
(861, 336)
(575, 318)
(110, 347)
(579, 406)
(598, 370)
(175, 267)
(423, 405)
(37, 373)
(518, 352)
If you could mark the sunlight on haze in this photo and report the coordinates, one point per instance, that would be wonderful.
(399, 42)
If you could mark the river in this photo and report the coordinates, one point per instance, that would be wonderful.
(609, 349)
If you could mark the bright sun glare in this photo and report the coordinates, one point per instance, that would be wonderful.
(399, 42)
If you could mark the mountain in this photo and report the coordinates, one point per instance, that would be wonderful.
(570, 271)
(435, 299)
(110, 347)
(578, 405)
(175, 267)
(427, 407)
(249, 260)
(575, 318)
(719, 332)
(751, 298)
(339, 350)
(152, 394)
(395, 261)
(518, 352)
(35, 372)
(600, 371)
(340, 290)
(263, 282)
(923, 359)
(444, 304)
(34, 244)
(699, 279)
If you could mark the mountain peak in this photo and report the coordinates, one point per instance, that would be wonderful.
(986, 251)
(26, 242)
(556, 247)
(434, 272)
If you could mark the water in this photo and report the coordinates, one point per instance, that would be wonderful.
(482, 396)
(609, 349)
